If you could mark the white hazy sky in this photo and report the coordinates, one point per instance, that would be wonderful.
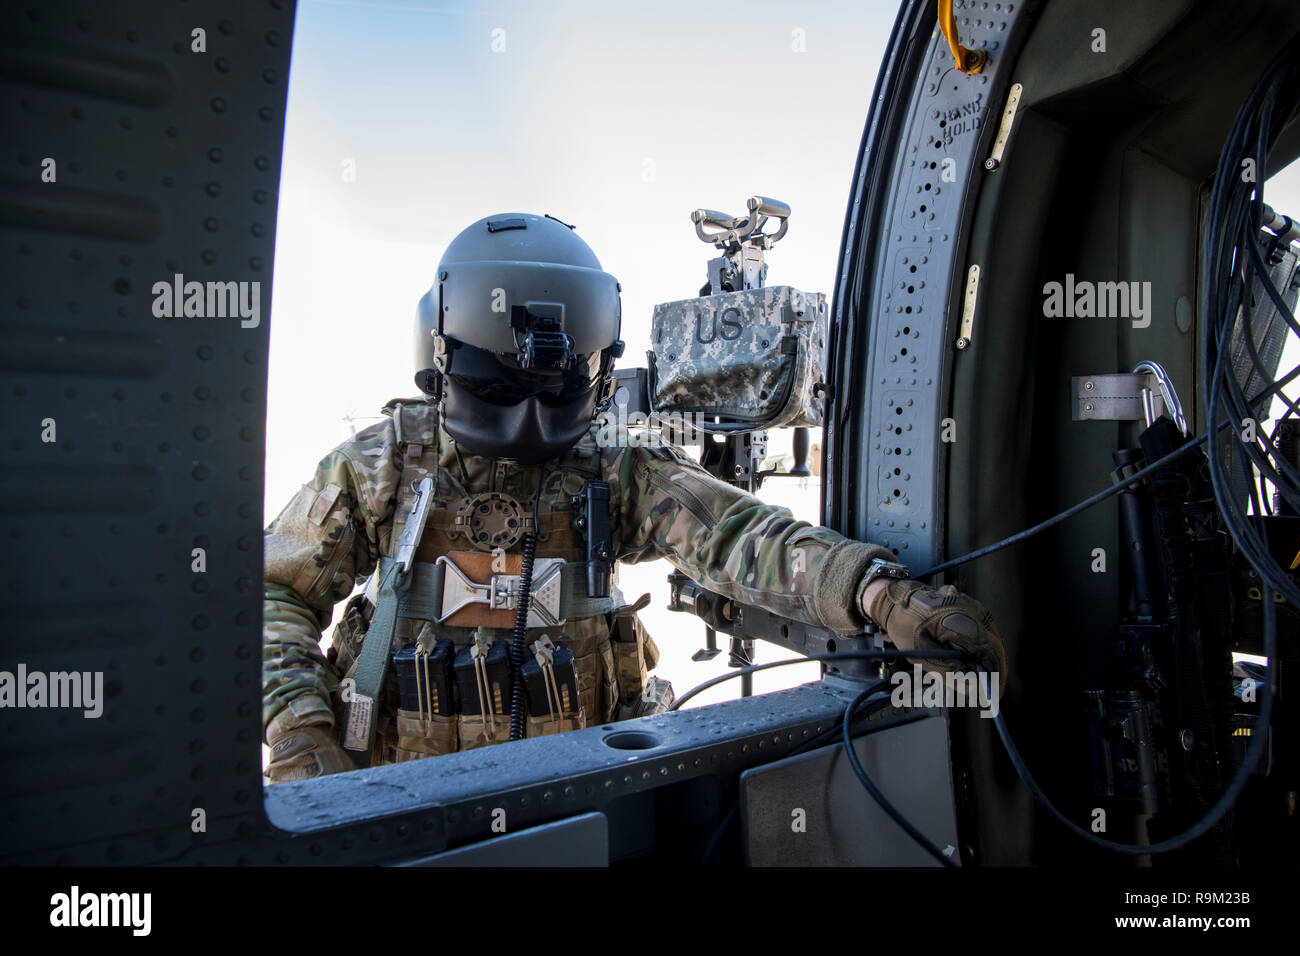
(618, 118)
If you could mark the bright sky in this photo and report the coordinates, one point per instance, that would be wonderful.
(618, 118)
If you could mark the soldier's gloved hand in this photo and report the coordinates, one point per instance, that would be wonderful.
(916, 616)
(303, 752)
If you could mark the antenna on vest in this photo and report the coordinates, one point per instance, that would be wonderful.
(351, 419)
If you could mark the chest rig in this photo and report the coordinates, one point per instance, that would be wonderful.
(434, 672)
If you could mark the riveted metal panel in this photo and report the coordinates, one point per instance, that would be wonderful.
(811, 809)
(128, 439)
(906, 271)
(578, 841)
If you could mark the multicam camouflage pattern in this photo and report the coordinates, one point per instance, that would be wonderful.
(754, 356)
(657, 697)
(332, 533)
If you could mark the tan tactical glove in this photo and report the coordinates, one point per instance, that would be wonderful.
(303, 743)
(916, 616)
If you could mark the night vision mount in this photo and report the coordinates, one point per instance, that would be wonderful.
(542, 343)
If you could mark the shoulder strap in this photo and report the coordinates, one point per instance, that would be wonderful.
(357, 735)
(415, 431)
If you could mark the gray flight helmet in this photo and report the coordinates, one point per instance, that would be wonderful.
(517, 337)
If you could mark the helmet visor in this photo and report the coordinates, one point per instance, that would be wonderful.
(502, 380)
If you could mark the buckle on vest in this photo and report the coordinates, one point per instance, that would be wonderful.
(492, 602)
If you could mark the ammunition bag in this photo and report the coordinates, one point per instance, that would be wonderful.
(544, 726)
(608, 689)
(635, 652)
(619, 677)
(347, 636)
(426, 735)
(481, 730)
(755, 358)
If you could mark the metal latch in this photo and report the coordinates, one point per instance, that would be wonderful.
(968, 307)
(1014, 95)
(413, 530)
(501, 592)
(1142, 395)
(1116, 398)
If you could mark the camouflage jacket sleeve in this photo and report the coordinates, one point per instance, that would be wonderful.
(323, 541)
(733, 544)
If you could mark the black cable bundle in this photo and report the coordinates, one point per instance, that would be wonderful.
(1232, 262)
(1232, 265)
(1200, 669)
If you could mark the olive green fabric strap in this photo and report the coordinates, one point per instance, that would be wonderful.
(358, 731)
(417, 441)
(574, 603)
(422, 597)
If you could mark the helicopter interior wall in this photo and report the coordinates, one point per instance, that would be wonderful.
(159, 160)
(1104, 181)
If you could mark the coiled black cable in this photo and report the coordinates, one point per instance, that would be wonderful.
(520, 633)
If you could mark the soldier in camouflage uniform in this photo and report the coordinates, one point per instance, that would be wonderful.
(506, 430)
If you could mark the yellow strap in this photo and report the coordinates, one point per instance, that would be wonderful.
(968, 60)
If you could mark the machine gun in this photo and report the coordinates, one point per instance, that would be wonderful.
(734, 362)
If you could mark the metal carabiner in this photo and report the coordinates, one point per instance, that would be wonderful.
(1172, 405)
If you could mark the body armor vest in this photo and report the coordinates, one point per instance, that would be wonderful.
(448, 686)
